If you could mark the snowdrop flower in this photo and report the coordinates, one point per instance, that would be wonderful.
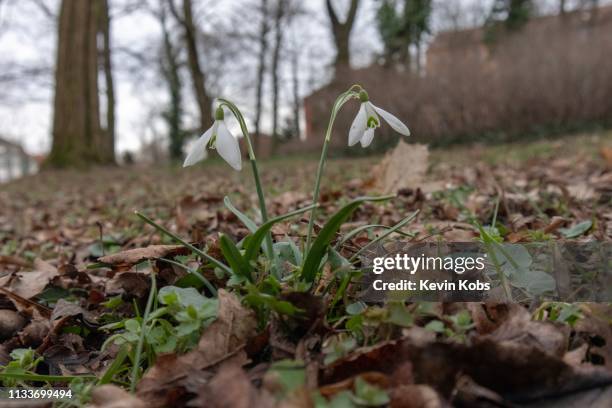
(367, 120)
(219, 137)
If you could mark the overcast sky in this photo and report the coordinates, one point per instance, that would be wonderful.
(27, 40)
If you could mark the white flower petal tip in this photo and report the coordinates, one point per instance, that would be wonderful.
(358, 127)
(228, 147)
(393, 121)
(367, 138)
(198, 150)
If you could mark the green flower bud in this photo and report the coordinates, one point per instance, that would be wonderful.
(219, 114)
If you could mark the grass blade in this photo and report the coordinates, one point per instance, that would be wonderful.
(362, 228)
(183, 242)
(385, 234)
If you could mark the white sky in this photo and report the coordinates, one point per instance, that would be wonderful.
(27, 38)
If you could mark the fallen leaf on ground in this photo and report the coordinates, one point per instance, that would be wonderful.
(111, 396)
(403, 168)
(137, 255)
(31, 283)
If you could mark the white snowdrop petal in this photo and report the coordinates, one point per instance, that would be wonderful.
(358, 126)
(371, 112)
(199, 149)
(393, 121)
(367, 138)
(228, 147)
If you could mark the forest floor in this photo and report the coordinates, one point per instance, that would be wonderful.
(74, 295)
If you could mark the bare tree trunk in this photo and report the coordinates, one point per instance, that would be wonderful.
(261, 69)
(198, 78)
(278, 43)
(342, 33)
(170, 70)
(296, 92)
(108, 76)
(562, 9)
(77, 135)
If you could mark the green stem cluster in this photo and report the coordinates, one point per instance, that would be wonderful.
(344, 97)
(260, 194)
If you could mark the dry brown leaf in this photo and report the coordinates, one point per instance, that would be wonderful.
(606, 153)
(112, 396)
(134, 256)
(520, 329)
(231, 387)
(416, 396)
(31, 283)
(403, 168)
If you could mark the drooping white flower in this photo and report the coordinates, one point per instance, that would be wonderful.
(367, 120)
(219, 137)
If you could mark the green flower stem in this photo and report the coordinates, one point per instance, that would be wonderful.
(260, 194)
(344, 97)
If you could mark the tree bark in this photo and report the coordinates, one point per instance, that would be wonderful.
(296, 93)
(261, 69)
(78, 138)
(278, 43)
(198, 78)
(170, 71)
(108, 77)
(342, 33)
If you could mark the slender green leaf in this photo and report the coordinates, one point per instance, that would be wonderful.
(577, 230)
(362, 228)
(115, 366)
(386, 234)
(254, 243)
(327, 234)
(234, 258)
(45, 378)
(143, 330)
(249, 223)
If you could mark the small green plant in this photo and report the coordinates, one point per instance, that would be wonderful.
(456, 328)
(338, 346)
(23, 362)
(559, 312)
(175, 326)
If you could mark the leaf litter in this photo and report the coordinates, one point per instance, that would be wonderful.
(73, 260)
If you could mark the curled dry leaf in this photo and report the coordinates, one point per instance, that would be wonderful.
(31, 283)
(137, 255)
